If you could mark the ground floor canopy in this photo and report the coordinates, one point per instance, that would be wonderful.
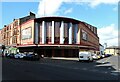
(56, 51)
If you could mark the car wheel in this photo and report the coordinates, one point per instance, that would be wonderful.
(90, 60)
(79, 60)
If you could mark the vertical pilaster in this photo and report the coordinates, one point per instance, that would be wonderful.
(62, 33)
(52, 38)
(70, 33)
(43, 32)
(78, 35)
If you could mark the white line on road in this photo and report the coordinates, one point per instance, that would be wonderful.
(84, 68)
(105, 72)
(116, 74)
(106, 60)
(94, 70)
(109, 68)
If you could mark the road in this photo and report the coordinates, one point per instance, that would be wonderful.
(49, 69)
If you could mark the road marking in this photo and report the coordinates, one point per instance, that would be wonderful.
(106, 60)
(84, 68)
(116, 74)
(109, 67)
(105, 72)
(94, 70)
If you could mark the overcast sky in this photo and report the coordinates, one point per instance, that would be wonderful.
(102, 14)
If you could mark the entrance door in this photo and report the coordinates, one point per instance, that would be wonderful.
(48, 52)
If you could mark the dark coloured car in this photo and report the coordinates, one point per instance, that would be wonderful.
(108, 55)
(3, 55)
(10, 55)
(32, 57)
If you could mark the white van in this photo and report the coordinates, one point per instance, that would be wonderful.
(85, 56)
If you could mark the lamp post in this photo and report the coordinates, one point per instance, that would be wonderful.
(3, 48)
(44, 8)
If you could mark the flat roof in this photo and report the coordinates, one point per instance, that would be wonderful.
(57, 18)
(113, 47)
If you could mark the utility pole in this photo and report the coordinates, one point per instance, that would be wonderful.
(105, 45)
(44, 7)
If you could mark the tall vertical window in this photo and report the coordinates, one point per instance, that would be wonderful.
(66, 32)
(16, 23)
(40, 37)
(75, 29)
(92, 28)
(57, 32)
(49, 31)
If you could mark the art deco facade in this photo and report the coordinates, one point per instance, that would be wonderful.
(51, 36)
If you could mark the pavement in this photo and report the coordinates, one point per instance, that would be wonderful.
(64, 58)
(111, 61)
(107, 61)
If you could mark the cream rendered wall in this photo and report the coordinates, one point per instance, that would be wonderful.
(111, 51)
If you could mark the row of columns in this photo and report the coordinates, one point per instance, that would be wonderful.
(53, 35)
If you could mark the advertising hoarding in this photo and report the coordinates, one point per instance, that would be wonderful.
(27, 33)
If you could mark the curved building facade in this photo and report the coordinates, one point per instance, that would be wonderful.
(57, 36)
(51, 36)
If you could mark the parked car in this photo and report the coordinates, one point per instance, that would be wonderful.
(85, 56)
(11, 55)
(103, 55)
(19, 55)
(3, 55)
(6, 54)
(42, 56)
(108, 55)
(94, 56)
(31, 56)
(99, 56)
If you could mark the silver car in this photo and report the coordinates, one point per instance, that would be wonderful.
(19, 55)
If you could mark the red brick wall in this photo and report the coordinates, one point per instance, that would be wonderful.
(92, 40)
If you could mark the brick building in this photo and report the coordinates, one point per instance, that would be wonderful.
(10, 33)
(51, 36)
(0, 37)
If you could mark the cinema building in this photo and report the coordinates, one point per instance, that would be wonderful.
(56, 36)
